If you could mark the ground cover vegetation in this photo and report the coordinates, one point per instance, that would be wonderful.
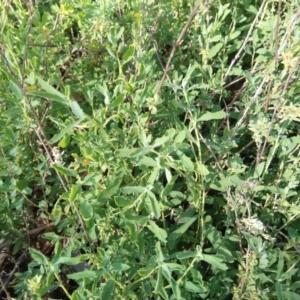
(149, 149)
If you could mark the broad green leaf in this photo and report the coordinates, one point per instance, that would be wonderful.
(133, 189)
(86, 210)
(16, 90)
(186, 254)
(91, 229)
(159, 288)
(51, 236)
(160, 233)
(38, 256)
(65, 131)
(65, 171)
(151, 264)
(49, 96)
(118, 267)
(70, 261)
(117, 101)
(56, 214)
(75, 190)
(31, 78)
(180, 137)
(112, 188)
(169, 187)
(190, 71)
(125, 152)
(291, 295)
(92, 179)
(108, 290)
(279, 291)
(186, 161)
(165, 138)
(176, 267)
(65, 141)
(154, 204)
(128, 55)
(49, 89)
(76, 109)
(182, 229)
(123, 201)
(84, 274)
(214, 50)
(215, 261)
(175, 289)
(133, 231)
(280, 265)
(166, 272)
(216, 240)
(195, 288)
(259, 170)
(159, 254)
(153, 176)
(147, 161)
(212, 116)
(201, 169)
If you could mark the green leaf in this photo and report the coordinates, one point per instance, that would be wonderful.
(76, 109)
(16, 90)
(279, 291)
(159, 288)
(165, 138)
(291, 295)
(117, 101)
(49, 96)
(123, 201)
(38, 256)
(31, 78)
(186, 254)
(112, 188)
(133, 231)
(133, 189)
(65, 131)
(195, 288)
(160, 233)
(51, 236)
(65, 141)
(86, 210)
(147, 161)
(75, 190)
(92, 179)
(154, 204)
(128, 55)
(175, 289)
(182, 229)
(180, 137)
(118, 267)
(70, 261)
(49, 89)
(186, 161)
(215, 261)
(108, 290)
(212, 116)
(259, 170)
(65, 171)
(214, 50)
(125, 152)
(84, 274)
(201, 169)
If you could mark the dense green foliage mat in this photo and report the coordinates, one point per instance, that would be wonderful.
(149, 149)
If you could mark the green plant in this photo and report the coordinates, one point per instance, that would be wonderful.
(141, 159)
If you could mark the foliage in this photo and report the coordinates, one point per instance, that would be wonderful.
(117, 190)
